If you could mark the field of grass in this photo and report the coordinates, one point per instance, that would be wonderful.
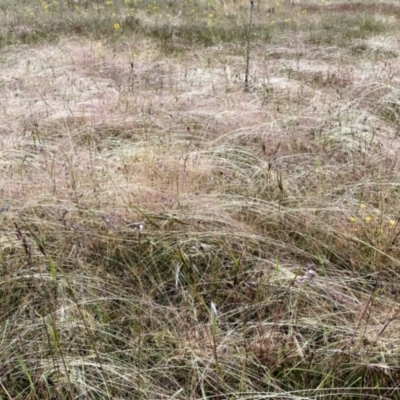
(167, 234)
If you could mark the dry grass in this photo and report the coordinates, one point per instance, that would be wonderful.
(280, 205)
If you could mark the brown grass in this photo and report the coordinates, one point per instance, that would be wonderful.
(241, 195)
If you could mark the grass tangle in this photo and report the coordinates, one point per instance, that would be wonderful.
(166, 234)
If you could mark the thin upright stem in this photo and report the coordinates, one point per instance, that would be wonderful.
(246, 79)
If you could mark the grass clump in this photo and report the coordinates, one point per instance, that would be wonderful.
(167, 234)
(345, 28)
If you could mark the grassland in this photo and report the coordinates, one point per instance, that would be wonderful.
(166, 234)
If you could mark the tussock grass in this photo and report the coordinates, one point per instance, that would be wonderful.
(165, 234)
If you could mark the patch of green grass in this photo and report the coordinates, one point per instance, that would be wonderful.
(198, 26)
(342, 29)
(200, 34)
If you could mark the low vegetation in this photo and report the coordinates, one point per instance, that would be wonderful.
(166, 234)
